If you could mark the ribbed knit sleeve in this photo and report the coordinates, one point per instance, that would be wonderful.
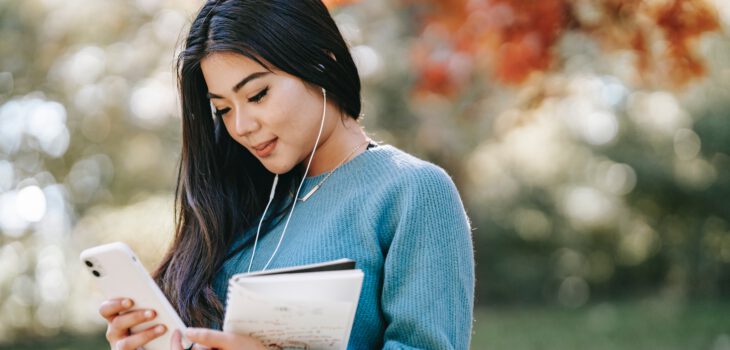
(428, 277)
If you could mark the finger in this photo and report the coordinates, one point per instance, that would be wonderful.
(208, 337)
(138, 340)
(112, 307)
(176, 340)
(119, 326)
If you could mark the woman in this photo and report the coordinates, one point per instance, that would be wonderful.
(270, 99)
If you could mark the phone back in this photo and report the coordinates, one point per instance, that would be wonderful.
(118, 273)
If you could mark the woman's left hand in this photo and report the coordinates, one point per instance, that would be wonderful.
(212, 339)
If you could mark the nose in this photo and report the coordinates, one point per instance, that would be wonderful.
(245, 124)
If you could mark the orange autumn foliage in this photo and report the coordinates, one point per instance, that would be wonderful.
(509, 39)
(682, 22)
(335, 3)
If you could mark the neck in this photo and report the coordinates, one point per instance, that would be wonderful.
(346, 136)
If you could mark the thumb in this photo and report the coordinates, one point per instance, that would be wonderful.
(176, 340)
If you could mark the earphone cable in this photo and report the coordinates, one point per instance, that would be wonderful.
(286, 225)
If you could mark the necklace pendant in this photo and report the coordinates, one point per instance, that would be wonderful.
(316, 187)
(310, 193)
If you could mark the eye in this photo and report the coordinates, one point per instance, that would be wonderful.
(221, 112)
(257, 98)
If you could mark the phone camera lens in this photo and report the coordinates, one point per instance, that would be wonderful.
(88, 263)
(96, 273)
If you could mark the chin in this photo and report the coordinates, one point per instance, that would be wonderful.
(278, 168)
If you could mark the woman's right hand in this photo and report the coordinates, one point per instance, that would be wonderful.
(118, 325)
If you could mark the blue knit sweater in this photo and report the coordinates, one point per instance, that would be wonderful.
(402, 221)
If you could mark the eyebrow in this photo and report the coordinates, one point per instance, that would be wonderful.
(240, 84)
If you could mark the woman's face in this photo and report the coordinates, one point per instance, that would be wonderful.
(276, 116)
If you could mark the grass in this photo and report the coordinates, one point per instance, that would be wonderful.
(63, 341)
(605, 326)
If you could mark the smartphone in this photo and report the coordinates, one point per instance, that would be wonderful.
(118, 273)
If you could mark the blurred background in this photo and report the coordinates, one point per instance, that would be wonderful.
(589, 140)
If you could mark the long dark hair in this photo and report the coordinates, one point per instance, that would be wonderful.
(222, 188)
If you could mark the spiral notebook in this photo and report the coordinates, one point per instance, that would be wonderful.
(301, 307)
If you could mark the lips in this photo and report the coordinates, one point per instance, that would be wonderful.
(265, 149)
(263, 144)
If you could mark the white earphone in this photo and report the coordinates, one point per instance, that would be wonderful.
(273, 191)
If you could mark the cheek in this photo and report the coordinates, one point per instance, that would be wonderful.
(295, 111)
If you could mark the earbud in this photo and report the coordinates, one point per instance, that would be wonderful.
(324, 108)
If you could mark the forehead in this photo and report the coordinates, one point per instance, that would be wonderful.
(222, 70)
(228, 60)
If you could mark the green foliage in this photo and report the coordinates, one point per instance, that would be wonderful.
(649, 324)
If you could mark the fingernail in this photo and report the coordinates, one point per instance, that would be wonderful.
(160, 329)
(126, 303)
(148, 314)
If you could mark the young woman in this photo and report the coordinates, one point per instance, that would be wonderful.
(276, 171)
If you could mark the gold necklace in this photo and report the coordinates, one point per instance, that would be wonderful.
(316, 187)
